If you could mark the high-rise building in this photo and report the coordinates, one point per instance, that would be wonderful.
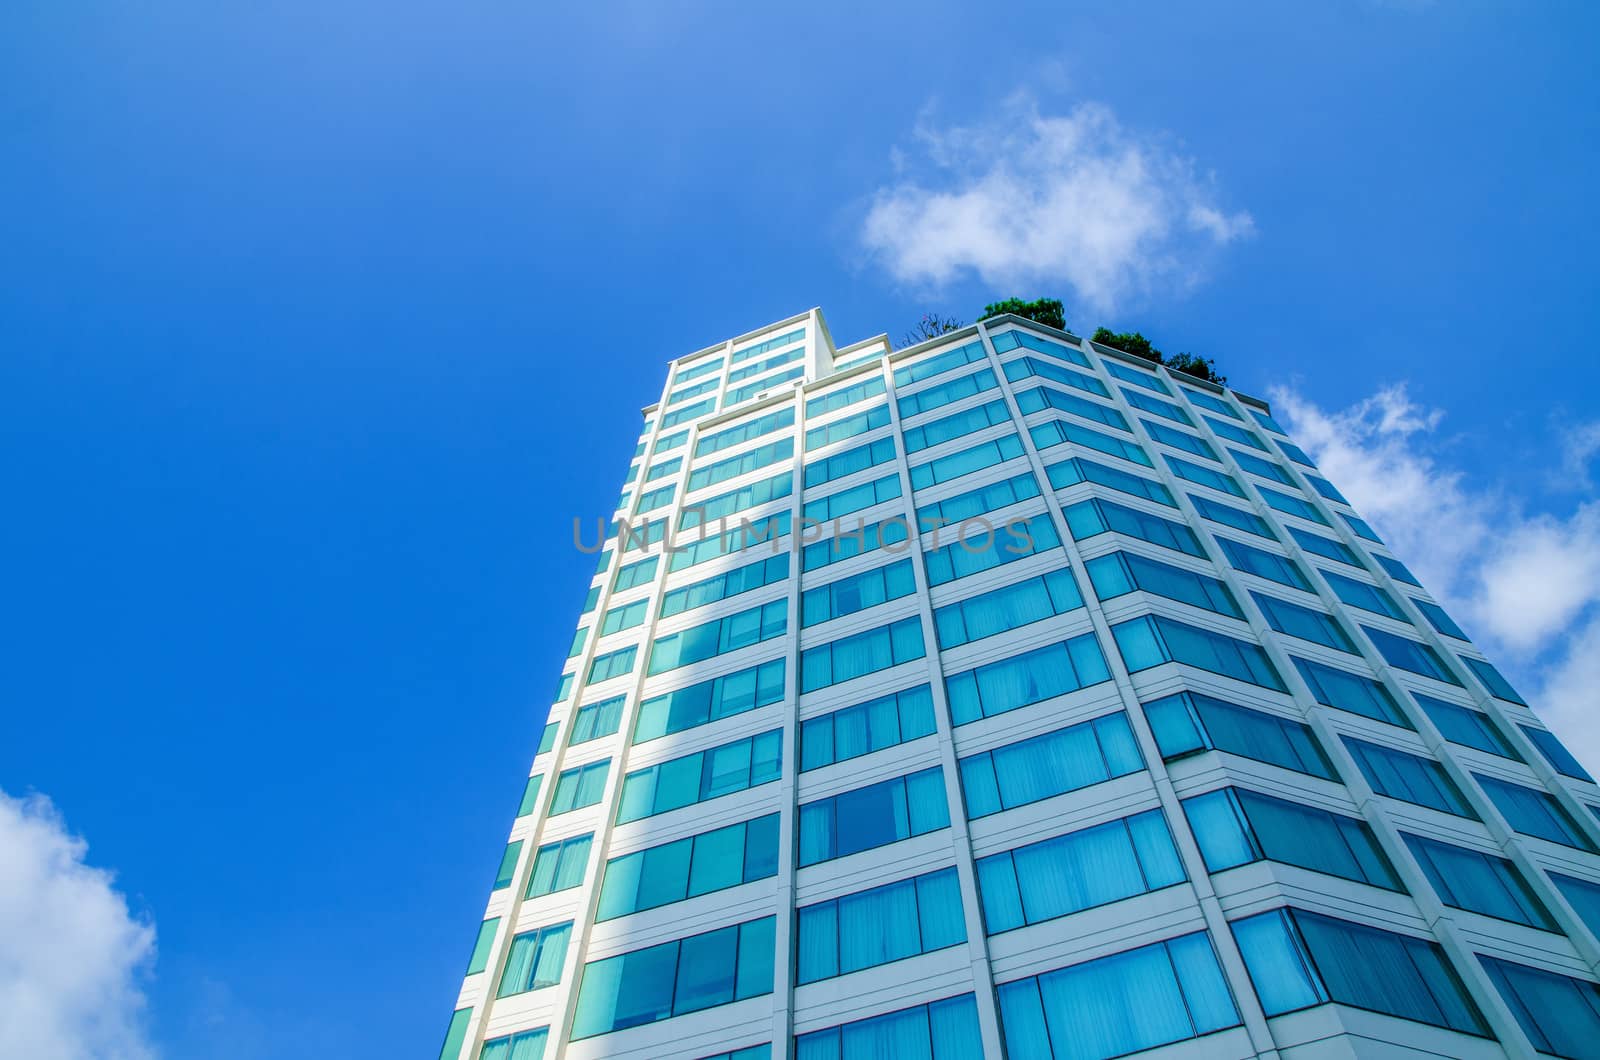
(1008, 695)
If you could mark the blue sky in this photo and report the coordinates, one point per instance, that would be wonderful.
(320, 321)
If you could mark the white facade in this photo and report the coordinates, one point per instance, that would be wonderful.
(1187, 479)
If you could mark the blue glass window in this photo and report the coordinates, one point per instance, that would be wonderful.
(1025, 679)
(769, 571)
(1235, 434)
(942, 394)
(778, 342)
(1534, 812)
(1559, 1014)
(1267, 421)
(1210, 401)
(1228, 515)
(1069, 472)
(1166, 992)
(1296, 506)
(749, 1052)
(1263, 564)
(735, 501)
(1005, 609)
(1343, 690)
(530, 795)
(873, 927)
(1364, 595)
(718, 637)
(701, 776)
(1492, 680)
(1408, 777)
(1038, 398)
(1396, 569)
(1297, 454)
(889, 534)
(1136, 377)
(1556, 753)
(579, 786)
(1465, 726)
(1155, 639)
(559, 866)
(455, 1035)
(1324, 487)
(955, 425)
(873, 816)
(938, 363)
(547, 737)
(872, 454)
(853, 731)
(1360, 528)
(708, 701)
(980, 501)
(1204, 476)
(750, 390)
(1080, 870)
(1438, 619)
(861, 653)
(1156, 406)
(1478, 882)
(844, 396)
(1583, 896)
(746, 462)
(636, 574)
(595, 720)
(678, 396)
(966, 461)
(524, 1045)
(535, 959)
(744, 432)
(746, 535)
(1298, 959)
(613, 664)
(1027, 367)
(1051, 764)
(1409, 655)
(657, 498)
(1120, 573)
(1189, 443)
(627, 616)
(1059, 432)
(1010, 340)
(675, 978)
(854, 498)
(1188, 722)
(663, 468)
(689, 412)
(1089, 518)
(1234, 826)
(1327, 548)
(695, 371)
(1264, 468)
(766, 365)
(689, 867)
(508, 866)
(939, 1030)
(1304, 622)
(985, 548)
(668, 442)
(857, 592)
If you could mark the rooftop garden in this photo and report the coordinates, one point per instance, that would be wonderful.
(1050, 312)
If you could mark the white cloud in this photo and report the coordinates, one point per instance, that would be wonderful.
(1028, 198)
(1525, 585)
(72, 957)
